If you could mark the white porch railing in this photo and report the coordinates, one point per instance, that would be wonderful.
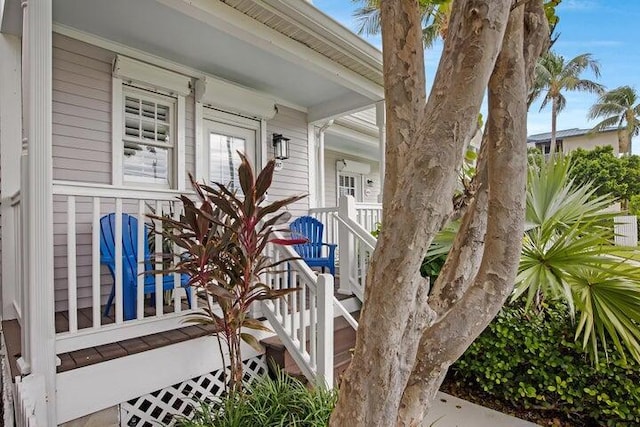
(356, 245)
(302, 319)
(368, 215)
(626, 230)
(17, 256)
(28, 390)
(83, 285)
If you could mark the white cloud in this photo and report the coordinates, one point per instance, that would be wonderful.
(579, 4)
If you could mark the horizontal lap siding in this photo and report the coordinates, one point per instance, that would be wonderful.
(330, 175)
(190, 140)
(293, 179)
(81, 111)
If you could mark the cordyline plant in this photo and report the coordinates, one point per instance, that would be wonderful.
(223, 238)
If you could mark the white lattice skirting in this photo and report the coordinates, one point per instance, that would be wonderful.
(159, 408)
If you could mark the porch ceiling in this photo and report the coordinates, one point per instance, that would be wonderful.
(345, 140)
(210, 36)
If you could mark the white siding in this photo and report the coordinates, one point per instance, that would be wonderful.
(81, 111)
(293, 179)
(82, 152)
(330, 177)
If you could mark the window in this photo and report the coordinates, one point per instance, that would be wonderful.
(349, 185)
(148, 137)
(148, 125)
(226, 136)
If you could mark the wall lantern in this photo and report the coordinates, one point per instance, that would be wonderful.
(280, 150)
(280, 147)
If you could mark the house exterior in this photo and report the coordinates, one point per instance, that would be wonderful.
(570, 139)
(108, 107)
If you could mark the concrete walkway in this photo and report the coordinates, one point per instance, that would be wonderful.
(449, 411)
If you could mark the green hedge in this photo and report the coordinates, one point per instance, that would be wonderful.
(532, 361)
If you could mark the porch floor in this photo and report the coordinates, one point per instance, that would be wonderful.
(92, 355)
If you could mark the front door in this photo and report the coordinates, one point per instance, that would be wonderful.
(223, 141)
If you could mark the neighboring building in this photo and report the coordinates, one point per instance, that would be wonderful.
(107, 107)
(570, 139)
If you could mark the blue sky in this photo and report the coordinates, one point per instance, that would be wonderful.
(608, 29)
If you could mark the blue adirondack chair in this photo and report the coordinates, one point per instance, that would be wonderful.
(129, 263)
(312, 252)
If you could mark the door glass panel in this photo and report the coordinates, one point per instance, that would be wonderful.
(224, 159)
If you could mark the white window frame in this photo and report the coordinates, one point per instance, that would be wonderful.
(230, 119)
(171, 145)
(130, 74)
(357, 179)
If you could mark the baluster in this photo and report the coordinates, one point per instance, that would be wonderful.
(118, 260)
(177, 286)
(294, 303)
(72, 291)
(312, 328)
(302, 311)
(158, 263)
(95, 263)
(140, 262)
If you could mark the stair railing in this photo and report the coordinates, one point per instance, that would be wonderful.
(302, 319)
(356, 246)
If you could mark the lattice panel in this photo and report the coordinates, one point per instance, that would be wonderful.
(159, 408)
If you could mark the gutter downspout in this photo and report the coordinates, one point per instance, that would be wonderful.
(320, 166)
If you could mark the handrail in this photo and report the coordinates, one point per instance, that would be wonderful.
(368, 205)
(358, 231)
(301, 266)
(345, 313)
(83, 189)
(321, 210)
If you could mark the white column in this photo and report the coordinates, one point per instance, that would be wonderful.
(37, 30)
(312, 149)
(325, 329)
(10, 146)
(321, 169)
(381, 123)
(346, 245)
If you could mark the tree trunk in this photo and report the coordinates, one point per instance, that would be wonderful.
(425, 146)
(554, 118)
(624, 141)
(405, 344)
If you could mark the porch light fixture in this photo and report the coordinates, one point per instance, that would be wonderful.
(280, 147)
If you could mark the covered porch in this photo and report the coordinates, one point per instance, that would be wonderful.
(64, 173)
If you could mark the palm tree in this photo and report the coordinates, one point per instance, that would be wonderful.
(568, 254)
(554, 75)
(435, 18)
(619, 107)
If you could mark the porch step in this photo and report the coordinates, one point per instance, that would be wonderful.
(344, 339)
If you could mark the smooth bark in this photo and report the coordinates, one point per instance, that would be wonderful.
(425, 148)
(406, 341)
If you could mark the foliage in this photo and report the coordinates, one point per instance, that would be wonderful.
(619, 107)
(555, 75)
(283, 401)
(435, 18)
(223, 239)
(617, 176)
(532, 361)
(568, 254)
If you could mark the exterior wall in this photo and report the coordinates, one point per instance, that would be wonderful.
(293, 179)
(330, 178)
(589, 142)
(82, 152)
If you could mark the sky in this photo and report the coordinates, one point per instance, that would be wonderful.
(607, 29)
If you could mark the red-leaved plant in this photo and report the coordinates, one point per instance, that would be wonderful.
(223, 238)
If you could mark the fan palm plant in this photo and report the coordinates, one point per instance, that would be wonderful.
(554, 75)
(435, 18)
(568, 254)
(618, 107)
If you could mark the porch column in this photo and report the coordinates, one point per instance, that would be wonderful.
(382, 137)
(10, 146)
(40, 335)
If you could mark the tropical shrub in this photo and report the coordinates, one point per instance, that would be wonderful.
(531, 360)
(569, 255)
(223, 239)
(279, 401)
